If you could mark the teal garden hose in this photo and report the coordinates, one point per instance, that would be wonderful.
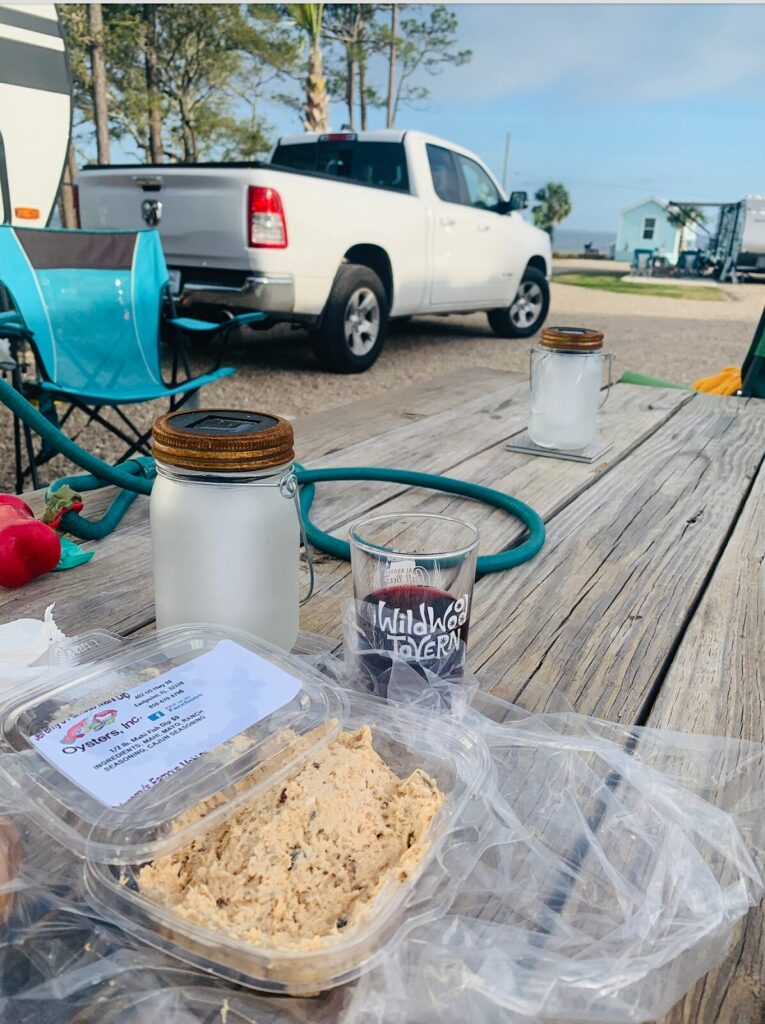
(137, 476)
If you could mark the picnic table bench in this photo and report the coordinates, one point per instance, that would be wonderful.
(645, 605)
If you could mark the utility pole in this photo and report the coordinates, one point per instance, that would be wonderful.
(506, 163)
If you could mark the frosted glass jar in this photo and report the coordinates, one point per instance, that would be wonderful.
(566, 375)
(224, 528)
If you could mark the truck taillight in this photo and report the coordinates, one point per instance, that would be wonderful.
(267, 226)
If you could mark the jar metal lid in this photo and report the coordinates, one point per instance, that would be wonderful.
(572, 339)
(222, 440)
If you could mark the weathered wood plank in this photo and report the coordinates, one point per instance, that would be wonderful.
(716, 685)
(628, 419)
(324, 433)
(596, 616)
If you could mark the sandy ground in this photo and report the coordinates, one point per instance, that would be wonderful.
(680, 339)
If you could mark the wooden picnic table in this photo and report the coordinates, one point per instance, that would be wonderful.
(645, 605)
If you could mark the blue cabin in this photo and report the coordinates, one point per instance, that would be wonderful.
(645, 225)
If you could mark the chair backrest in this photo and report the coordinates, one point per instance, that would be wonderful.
(753, 370)
(93, 302)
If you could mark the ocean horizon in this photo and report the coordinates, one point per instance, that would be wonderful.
(573, 240)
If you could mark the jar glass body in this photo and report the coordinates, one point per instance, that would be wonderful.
(565, 396)
(226, 551)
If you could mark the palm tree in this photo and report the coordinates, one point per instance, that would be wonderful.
(681, 216)
(554, 205)
(308, 18)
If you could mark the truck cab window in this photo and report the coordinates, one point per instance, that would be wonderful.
(379, 164)
(481, 190)
(444, 174)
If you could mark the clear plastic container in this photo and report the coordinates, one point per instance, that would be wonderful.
(116, 842)
(141, 828)
(405, 739)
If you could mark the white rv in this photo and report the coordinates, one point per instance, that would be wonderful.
(35, 112)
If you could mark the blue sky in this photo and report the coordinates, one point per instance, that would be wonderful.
(614, 101)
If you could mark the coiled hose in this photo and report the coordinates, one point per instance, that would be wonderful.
(136, 476)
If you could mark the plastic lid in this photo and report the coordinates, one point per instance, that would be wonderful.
(571, 339)
(222, 440)
(252, 760)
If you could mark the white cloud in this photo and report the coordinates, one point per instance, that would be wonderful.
(605, 52)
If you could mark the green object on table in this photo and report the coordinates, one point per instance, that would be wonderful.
(631, 377)
(72, 555)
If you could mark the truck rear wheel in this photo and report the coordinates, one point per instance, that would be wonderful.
(526, 313)
(355, 321)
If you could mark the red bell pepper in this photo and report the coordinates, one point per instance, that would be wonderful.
(28, 548)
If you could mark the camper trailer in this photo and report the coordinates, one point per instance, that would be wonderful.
(739, 243)
(35, 112)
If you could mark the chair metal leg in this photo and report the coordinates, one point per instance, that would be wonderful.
(32, 459)
(28, 442)
(17, 454)
(140, 444)
(98, 418)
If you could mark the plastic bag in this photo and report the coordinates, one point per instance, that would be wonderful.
(608, 870)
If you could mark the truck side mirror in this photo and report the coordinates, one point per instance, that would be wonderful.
(519, 201)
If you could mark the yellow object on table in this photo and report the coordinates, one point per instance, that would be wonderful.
(726, 382)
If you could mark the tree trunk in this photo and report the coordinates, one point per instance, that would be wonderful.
(98, 70)
(67, 206)
(350, 90)
(156, 149)
(363, 86)
(316, 106)
(391, 104)
(187, 132)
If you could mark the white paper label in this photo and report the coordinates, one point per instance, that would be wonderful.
(141, 736)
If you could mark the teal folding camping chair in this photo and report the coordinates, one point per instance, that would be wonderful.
(93, 306)
(753, 368)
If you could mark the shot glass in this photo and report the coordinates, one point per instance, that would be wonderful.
(413, 578)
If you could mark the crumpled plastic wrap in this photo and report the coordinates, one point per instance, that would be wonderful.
(22, 643)
(608, 868)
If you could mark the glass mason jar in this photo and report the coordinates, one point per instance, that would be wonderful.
(566, 375)
(225, 532)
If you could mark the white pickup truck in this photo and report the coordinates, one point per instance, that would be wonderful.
(341, 232)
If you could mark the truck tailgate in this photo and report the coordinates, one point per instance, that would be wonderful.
(200, 210)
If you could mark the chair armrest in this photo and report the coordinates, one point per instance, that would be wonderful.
(11, 325)
(185, 323)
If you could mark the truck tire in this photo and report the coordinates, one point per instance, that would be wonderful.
(355, 321)
(526, 313)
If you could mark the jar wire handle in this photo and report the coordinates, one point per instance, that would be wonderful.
(610, 357)
(288, 486)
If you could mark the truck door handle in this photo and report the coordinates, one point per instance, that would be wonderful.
(484, 227)
(446, 222)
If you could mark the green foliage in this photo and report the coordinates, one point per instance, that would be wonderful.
(609, 283)
(553, 206)
(308, 18)
(682, 216)
(217, 63)
(426, 44)
(213, 57)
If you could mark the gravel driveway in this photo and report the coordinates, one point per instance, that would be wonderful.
(680, 339)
